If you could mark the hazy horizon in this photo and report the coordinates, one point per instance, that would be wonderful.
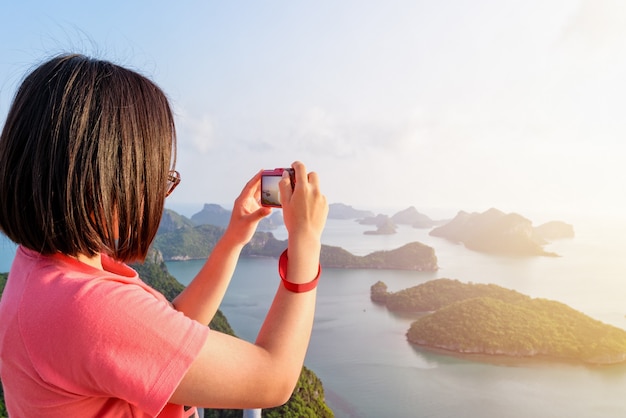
(536, 217)
(451, 105)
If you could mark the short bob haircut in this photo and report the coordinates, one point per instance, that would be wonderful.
(84, 159)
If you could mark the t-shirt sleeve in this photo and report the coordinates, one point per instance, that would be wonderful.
(124, 342)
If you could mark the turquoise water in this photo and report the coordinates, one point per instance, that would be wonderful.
(368, 369)
(359, 350)
(7, 252)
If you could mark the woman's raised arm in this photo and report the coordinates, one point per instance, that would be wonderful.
(232, 373)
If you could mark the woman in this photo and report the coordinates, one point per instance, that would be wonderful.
(86, 157)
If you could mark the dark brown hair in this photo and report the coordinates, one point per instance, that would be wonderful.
(84, 157)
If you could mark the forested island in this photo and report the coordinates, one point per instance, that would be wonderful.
(487, 319)
(343, 211)
(387, 225)
(179, 238)
(496, 232)
(412, 256)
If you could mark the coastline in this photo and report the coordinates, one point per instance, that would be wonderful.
(515, 361)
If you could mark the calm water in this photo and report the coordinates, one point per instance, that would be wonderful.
(368, 369)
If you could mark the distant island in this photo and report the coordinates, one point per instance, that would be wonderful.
(180, 239)
(343, 211)
(410, 216)
(387, 225)
(413, 256)
(384, 225)
(496, 232)
(213, 214)
(486, 319)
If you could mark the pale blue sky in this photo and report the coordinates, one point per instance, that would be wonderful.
(465, 105)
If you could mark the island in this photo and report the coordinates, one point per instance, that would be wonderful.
(387, 225)
(410, 216)
(212, 214)
(183, 240)
(379, 219)
(489, 320)
(554, 230)
(384, 226)
(343, 211)
(495, 232)
(412, 256)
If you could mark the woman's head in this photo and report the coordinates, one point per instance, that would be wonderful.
(84, 159)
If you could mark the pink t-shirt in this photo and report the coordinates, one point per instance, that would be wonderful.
(76, 341)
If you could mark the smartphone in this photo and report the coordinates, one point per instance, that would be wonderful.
(270, 193)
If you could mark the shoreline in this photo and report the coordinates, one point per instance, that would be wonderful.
(514, 361)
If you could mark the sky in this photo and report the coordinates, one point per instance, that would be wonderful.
(442, 105)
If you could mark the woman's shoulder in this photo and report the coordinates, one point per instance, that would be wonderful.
(59, 290)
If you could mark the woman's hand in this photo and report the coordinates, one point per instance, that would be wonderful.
(305, 208)
(247, 212)
(202, 297)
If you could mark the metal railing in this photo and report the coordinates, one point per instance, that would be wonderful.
(247, 413)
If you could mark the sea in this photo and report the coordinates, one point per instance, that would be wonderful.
(360, 352)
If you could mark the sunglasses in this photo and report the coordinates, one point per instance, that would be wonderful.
(173, 180)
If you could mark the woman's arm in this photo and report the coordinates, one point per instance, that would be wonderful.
(202, 297)
(232, 373)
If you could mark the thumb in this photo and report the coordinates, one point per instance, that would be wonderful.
(285, 188)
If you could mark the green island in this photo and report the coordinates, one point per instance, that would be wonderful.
(180, 239)
(307, 399)
(496, 232)
(486, 319)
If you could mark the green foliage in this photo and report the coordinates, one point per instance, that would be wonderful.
(197, 242)
(412, 256)
(307, 400)
(336, 257)
(497, 321)
(3, 281)
(171, 221)
(156, 275)
(221, 324)
(223, 413)
(436, 294)
(379, 293)
(3, 408)
(188, 242)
